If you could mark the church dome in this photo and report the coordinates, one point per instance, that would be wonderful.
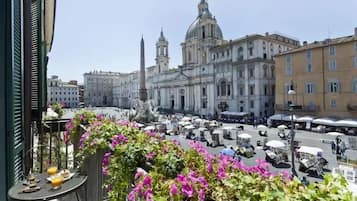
(194, 30)
(204, 15)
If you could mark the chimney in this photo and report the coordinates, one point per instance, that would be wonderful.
(304, 43)
(355, 31)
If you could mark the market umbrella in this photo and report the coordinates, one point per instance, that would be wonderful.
(275, 144)
(244, 136)
(282, 127)
(202, 129)
(189, 127)
(335, 134)
(262, 127)
(149, 128)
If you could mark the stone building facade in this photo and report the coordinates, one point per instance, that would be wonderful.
(98, 88)
(61, 92)
(324, 76)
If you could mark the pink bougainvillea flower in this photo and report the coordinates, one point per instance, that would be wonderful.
(105, 171)
(182, 179)
(119, 139)
(100, 117)
(131, 196)
(148, 194)
(209, 167)
(151, 155)
(147, 181)
(173, 189)
(176, 142)
(106, 159)
(201, 195)
(187, 190)
(221, 173)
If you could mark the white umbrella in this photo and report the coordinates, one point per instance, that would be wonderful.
(202, 129)
(275, 144)
(140, 125)
(229, 128)
(335, 134)
(262, 127)
(244, 136)
(198, 120)
(310, 150)
(186, 119)
(189, 127)
(149, 128)
(282, 127)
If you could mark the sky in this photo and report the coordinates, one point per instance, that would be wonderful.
(105, 35)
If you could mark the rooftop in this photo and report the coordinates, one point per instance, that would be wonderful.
(320, 44)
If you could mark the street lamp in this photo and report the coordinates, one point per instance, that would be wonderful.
(291, 93)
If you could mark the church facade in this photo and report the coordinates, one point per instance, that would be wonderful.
(216, 75)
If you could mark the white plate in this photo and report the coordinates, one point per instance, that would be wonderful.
(71, 174)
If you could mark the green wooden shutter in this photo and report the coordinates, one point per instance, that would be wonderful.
(15, 126)
(35, 32)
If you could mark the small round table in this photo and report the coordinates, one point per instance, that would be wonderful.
(46, 192)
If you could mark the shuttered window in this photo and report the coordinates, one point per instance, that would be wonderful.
(35, 23)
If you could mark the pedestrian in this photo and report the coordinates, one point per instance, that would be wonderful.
(333, 147)
(255, 123)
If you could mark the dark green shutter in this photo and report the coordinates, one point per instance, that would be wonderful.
(14, 106)
(35, 32)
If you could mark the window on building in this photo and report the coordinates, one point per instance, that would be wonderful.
(60, 93)
(288, 70)
(56, 99)
(332, 65)
(309, 67)
(332, 51)
(356, 47)
(218, 91)
(265, 90)
(273, 90)
(250, 51)
(308, 54)
(51, 99)
(288, 59)
(241, 74)
(240, 53)
(241, 91)
(309, 88)
(251, 90)
(272, 71)
(228, 90)
(189, 56)
(223, 88)
(265, 71)
(354, 85)
(204, 104)
(333, 86)
(333, 103)
(287, 87)
(227, 53)
(251, 104)
(203, 32)
(204, 91)
(251, 72)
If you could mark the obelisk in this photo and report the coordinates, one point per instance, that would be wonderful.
(142, 91)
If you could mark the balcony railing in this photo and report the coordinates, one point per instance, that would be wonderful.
(305, 108)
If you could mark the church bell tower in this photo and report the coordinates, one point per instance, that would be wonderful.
(162, 53)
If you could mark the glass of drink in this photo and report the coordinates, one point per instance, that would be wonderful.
(52, 170)
(56, 182)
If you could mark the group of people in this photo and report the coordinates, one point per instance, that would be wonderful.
(338, 147)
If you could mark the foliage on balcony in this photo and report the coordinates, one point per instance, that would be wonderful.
(57, 107)
(143, 166)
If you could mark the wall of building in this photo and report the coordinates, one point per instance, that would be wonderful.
(320, 101)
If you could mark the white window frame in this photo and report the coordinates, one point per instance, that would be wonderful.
(332, 66)
(332, 51)
(309, 88)
(309, 67)
(333, 86)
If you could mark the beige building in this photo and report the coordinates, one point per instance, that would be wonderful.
(324, 76)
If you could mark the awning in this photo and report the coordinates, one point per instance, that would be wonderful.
(288, 118)
(325, 121)
(347, 123)
(305, 119)
(235, 113)
(277, 117)
(310, 150)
